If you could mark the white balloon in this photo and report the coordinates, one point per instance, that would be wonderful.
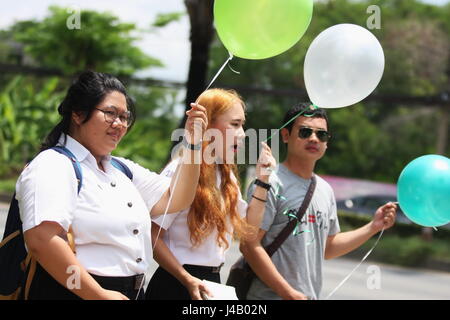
(343, 65)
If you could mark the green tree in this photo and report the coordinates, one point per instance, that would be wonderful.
(27, 113)
(101, 43)
(372, 139)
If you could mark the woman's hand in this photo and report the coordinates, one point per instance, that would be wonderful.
(195, 286)
(196, 123)
(266, 163)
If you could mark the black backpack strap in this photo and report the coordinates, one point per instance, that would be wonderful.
(122, 167)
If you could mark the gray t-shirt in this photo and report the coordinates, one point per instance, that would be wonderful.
(299, 259)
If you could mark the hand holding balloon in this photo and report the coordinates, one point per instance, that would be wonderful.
(384, 217)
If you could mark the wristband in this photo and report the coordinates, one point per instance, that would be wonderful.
(259, 198)
(262, 184)
(197, 146)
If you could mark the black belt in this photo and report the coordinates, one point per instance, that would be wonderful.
(204, 268)
(132, 282)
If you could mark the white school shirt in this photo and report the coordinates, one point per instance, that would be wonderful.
(177, 235)
(110, 217)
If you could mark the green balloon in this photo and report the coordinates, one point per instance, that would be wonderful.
(259, 29)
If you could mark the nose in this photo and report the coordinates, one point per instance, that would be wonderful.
(241, 133)
(116, 123)
(314, 137)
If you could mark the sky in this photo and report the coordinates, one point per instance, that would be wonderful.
(169, 44)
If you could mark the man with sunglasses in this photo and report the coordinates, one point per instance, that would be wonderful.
(294, 271)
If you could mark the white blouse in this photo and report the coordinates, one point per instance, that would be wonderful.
(177, 235)
(110, 217)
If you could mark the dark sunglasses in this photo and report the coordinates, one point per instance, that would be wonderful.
(305, 132)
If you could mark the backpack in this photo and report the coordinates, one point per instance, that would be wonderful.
(16, 264)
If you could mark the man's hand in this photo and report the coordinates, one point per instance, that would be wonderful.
(384, 217)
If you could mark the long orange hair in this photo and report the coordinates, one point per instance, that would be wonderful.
(214, 208)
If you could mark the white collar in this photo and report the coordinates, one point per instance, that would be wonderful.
(79, 151)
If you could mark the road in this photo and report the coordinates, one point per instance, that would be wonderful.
(371, 281)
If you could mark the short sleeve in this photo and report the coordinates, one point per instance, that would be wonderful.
(166, 220)
(334, 222)
(47, 190)
(242, 207)
(270, 209)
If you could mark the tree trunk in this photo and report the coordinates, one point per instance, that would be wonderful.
(202, 31)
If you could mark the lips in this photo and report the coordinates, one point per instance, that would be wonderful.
(312, 148)
(115, 136)
(238, 144)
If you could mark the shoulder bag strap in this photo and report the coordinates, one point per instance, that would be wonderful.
(282, 236)
(122, 167)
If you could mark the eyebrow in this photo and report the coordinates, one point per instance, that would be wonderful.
(117, 109)
(111, 106)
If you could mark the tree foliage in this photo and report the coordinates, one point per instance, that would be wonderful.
(371, 139)
(27, 113)
(101, 43)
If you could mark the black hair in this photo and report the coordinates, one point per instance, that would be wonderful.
(305, 109)
(85, 93)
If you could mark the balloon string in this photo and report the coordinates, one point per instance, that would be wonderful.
(229, 66)
(354, 269)
(293, 118)
(220, 70)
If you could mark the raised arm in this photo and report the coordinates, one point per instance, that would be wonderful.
(256, 206)
(188, 170)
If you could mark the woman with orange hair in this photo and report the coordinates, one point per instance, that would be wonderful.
(192, 243)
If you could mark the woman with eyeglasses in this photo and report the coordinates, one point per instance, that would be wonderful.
(190, 246)
(109, 217)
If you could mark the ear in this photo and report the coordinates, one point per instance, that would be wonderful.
(78, 117)
(285, 135)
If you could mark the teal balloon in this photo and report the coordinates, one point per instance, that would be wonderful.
(259, 29)
(423, 190)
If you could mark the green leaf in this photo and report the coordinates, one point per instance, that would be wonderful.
(165, 18)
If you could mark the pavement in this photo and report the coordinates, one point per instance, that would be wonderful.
(370, 281)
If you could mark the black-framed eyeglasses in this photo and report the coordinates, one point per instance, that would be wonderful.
(111, 115)
(306, 132)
